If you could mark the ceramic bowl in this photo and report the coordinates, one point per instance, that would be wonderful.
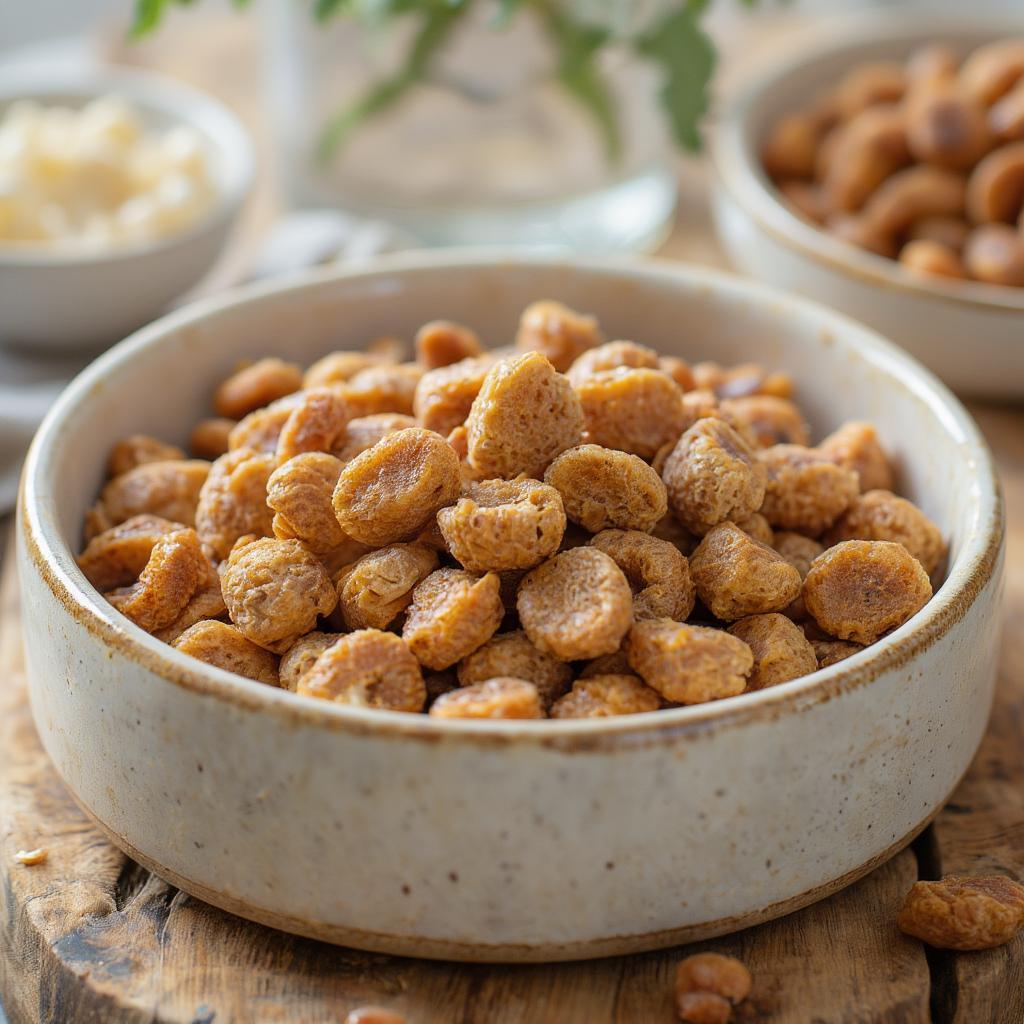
(509, 840)
(64, 298)
(969, 333)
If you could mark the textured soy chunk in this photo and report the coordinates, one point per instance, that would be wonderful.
(338, 367)
(767, 419)
(137, 450)
(453, 612)
(615, 664)
(205, 603)
(369, 669)
(502, 697)
(855, 446)
(576, 605)
(117, 556)
(804, 490)
(861, 589)
(611, 356)
(275, 590)
(211, 438)
(301, 656)
(712, 475)
(316, 424)
(708, 982)
(604, 696)
(736, 575)
(602, 488)
(963, 912)
(261, 429)
(800, 552)
(679, 370)
(255, 386)
(166, 489)
(556, 332)
(376, 589)
(781, 651)
(524, 415)
(300, 493)
(363, 432)
(443, 342)
(688, 664)
(513, 655)
(633, 410)
(381, 389)
(222, 645)
(744, 379)
(233, 500)
(504, 525)
(881, 515)
(392, 491)
(444, 396)
(656, 570)
(831, 652)
(757, 527)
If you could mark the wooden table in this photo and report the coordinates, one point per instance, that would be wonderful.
(90, 936)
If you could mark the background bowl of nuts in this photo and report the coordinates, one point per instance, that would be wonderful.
(635, 735)
(880, 172)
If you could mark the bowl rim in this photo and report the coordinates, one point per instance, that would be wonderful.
(152, 92)
(739, 172)
(45, 553)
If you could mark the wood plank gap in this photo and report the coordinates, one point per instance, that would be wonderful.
(943, 988)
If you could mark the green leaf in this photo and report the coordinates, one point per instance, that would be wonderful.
(324, 10)
(687, 58)
(148, 14)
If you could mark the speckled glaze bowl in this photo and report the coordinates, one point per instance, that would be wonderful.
(509, 841)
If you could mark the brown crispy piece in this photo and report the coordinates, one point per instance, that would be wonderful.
(316, 424)
(860, 589)
(799, 551)
(338, 367)
(206, 603)
(964, 912)
(261, 429)
(274, 590)
(222, 645)
(769, 420)
(369, 669)
(702, 1007)
(233, 501)
(756, 526)
(502, 697)
(736, 576)
(712, 475)
(679, 370)
(374, 1015)
(633, 410)
(611, 356)
(603, 696)
(576, 605)
(614, 664)
(376, 589)
(381, 388)
(739, 381)
(603, 488)
(256, 385)
(557, 332)
(138, 449)
(445, 395)
(855, 446)
(513, 655)
(117, 556)
(698, 404)
(805, 491)
(831, 652)
(781, 651)
(300, 493)
(442, 342)
(364, 432)
(392, 491)
(453, 612)
(504, 524)
(438, 683)
(881, 515)
(688, 664)
(524, 415)
(669, 528)
(656, 570)
(300, 657)
(210, 438)
(724, 977)
(166, 489)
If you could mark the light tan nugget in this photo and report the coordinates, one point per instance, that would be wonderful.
(393, 490)
(369, 669)
(742, 380)
(861, 589)
(768, 419)
(274, 590)
(381, 389)
(524, 415)
(316, 424)
(635, 411)
(602, 488)
(556, 332)
(137, 450)
(881, 515)
(222, 645)
(442, 342)
(757, 526)
(963, 912)
(611, 356)
(364, 432)
(300, 493)
(513, 655)
(261, 429)
(606, 696)
(300, 657)
(338, 367)
(205, 603)
(736, 575)
(166, 489)
(444, 396)
(656, 570)
(504, 524)
(452, 613)
(679, 370)
(804, 491)
(375, 590)
(576, 605)
(781, 651)
(712, 475)
(257, 385)
(800, 552)
(688, 664)
(117, 556)
(496, 698)
(707, 987)
(831, 652)
(210, 438)
(233, 501)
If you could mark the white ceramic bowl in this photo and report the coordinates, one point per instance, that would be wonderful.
(971, 334)
(64, 298)
(491, 840)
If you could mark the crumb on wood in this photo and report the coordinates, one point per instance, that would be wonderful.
(31, 857)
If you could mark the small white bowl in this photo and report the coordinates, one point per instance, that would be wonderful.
(67, 298)
(971, 334)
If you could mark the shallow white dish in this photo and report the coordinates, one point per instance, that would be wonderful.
(969, 333)
(65, 299)
(490, 840)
